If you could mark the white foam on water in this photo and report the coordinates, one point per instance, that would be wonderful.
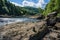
(4, 21)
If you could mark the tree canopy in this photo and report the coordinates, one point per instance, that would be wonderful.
(53, 5)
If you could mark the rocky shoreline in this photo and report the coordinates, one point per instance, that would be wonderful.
(47, 29)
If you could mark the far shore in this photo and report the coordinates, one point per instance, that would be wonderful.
(27, 16)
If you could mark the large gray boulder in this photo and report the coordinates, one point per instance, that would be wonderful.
(51, 19)
(53, 14)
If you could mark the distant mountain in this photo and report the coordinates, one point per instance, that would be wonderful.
(32, 9)
(7, 8)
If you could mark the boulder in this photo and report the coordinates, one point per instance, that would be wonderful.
(58, 19)
(59, 35)
(51, 21)
(41, 17)
(42, 32)
(53, 14)
(57, 26)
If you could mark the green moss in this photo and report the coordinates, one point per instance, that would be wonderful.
(58, 15)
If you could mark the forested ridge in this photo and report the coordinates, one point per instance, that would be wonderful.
(7, 8)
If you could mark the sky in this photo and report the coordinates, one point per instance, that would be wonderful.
(32, 3)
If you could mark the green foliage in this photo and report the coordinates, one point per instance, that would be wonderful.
(40, 10)
(53, 5)
(10, 9)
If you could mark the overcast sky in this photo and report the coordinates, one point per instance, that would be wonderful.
(32, 3)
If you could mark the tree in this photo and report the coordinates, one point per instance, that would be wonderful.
(10, 9)
(53, 5)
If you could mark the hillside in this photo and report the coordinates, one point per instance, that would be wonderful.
(53, 5)
(7, 8)
(32, 9)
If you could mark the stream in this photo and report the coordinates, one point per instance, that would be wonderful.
(4, 21)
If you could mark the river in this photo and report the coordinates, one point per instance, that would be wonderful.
(4, 21)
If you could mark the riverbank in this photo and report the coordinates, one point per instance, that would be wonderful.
(30, 31)
(27, 16)
(22, 31)
(46, 29)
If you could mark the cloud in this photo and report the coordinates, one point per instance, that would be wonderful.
(16, 4)
(27, 3)
(40, 3)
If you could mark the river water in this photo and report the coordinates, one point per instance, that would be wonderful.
(4, 21)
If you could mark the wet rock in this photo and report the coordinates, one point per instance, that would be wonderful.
(43, 30)
(25, 31)
(51, 21)
(58, 35)
(57, 26)
(58, 19)
(41, 17)
(40, 34)
(53, 14)
(51, 18)
(51, 36)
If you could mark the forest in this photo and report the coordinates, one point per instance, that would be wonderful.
(53, 5)
(7, 8)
